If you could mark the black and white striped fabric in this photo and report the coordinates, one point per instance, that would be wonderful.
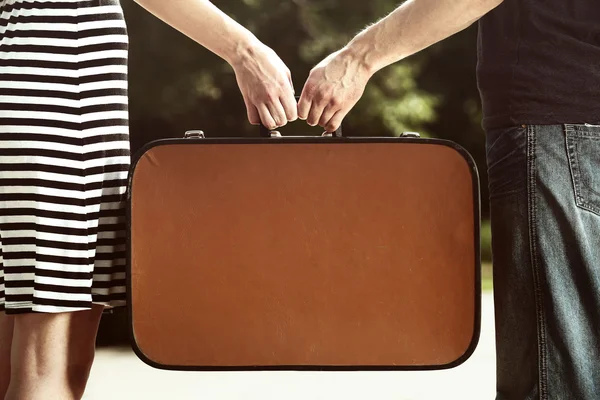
(64, 154)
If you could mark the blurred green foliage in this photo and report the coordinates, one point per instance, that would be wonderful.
(486, 241)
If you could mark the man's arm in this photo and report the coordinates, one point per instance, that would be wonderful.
(264, 80)
(337, 83)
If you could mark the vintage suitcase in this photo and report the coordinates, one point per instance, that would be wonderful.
(304, 253)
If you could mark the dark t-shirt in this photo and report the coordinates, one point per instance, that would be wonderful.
(539, 63)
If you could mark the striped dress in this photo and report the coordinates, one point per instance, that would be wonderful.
(64, 155)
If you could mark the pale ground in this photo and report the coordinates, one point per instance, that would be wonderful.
(119, 374)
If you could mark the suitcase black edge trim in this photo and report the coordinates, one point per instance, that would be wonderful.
(477, 228)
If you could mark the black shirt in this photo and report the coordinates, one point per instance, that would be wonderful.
(539, 63)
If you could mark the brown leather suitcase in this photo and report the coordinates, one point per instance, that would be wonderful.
(304, 253)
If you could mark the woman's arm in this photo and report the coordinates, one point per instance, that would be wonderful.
(264, 80)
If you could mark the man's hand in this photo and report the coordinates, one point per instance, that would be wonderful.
(333, 87)
(337, 83)
(267, 88)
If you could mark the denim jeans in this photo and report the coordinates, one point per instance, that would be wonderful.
(544, 185)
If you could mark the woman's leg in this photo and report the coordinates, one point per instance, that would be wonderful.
(52, 354)
(6, 334)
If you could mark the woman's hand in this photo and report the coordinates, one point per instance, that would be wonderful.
(266, 85)
(264, 80)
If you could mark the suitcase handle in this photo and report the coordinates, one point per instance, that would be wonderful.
(266, 132)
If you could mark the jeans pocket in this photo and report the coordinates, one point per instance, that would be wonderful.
(583, 151)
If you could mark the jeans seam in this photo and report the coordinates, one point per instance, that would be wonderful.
(590, 136)
(532, 215)
(570, 143)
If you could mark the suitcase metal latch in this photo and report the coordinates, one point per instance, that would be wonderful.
(410, 134)
(277, 134)
(194, 135)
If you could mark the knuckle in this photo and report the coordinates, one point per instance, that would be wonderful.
(267, 94)
(270, 95)
(319, 96)
(282, 84)
(310, 90)
(322, 98)
(256, 99)
(335, 101)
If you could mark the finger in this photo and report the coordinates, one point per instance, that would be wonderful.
(265, 116)
(305, 102)
(277, 112)
(304, 107)
(289, 75)
(336, 121)
(253, 115)
(328, 113)
(316, 111)
(290, 107)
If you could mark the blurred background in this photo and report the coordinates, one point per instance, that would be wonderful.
(177, 85)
